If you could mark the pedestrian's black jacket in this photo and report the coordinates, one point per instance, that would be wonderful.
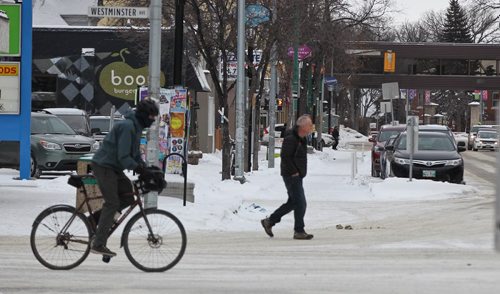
(293, 154)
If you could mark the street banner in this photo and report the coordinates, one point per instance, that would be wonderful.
(427, 97)
(484, 95)
(10, 30)
(412, 94)
(389, 61)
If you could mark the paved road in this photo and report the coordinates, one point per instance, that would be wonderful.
(440, 246)
(480, 167)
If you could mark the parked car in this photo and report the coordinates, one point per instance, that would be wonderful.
(385, 132)
(461, 137)
(77, 119)
(437, 158)
(386, 157)
(326, 139)
(55, 146)
(485, 140)
(475, 129)
(100, 126)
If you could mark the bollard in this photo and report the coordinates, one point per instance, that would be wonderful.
(354, 165)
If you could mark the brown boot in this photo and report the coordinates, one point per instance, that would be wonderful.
(268, 225)
(302, 236)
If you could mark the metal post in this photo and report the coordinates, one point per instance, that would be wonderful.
(154, 75)
(179, 41)
(272, 98)
(295, 84)
(240, 91)
(497, 203)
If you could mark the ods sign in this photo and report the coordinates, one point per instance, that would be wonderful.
(9, 88)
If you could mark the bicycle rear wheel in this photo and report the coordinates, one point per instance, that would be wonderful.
(155, 252)
(57, 249)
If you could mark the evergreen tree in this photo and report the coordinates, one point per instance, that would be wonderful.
(456, 29)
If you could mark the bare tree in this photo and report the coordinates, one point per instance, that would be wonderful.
(413, 32)
(483, 21)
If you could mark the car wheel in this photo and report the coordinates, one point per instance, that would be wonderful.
(474, 149)
(35, 172)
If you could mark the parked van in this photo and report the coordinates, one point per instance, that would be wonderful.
(77, 119)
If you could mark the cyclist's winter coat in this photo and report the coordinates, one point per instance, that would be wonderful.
(294, 154)
(120, 147)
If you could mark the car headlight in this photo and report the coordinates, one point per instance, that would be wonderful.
(50, 146)
(95, 146)
(453, 162)
(401, 161)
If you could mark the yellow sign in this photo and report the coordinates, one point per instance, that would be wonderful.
(7, 69)
(389, 61)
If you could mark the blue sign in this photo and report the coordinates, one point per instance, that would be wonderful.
(330, 81)
(16, 127)
(257, 14)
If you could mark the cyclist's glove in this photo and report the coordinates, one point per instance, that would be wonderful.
(144, 172)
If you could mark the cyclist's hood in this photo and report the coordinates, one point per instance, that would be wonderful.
(130, 114)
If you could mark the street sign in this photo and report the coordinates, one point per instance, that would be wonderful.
(10, 96)
(257, 14)
(330, 81)
(304, 52)
(390, 91)
(10, 30)
(411, 140)
(118, 12)
(412, 133)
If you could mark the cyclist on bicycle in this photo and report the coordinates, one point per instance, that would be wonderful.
(120, 151)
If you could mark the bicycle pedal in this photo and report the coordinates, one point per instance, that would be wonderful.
(106, 258)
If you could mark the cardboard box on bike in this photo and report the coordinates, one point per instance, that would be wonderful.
(83, 168)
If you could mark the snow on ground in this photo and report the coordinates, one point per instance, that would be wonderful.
(231, 206)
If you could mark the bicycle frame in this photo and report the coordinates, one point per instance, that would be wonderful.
(137, 202)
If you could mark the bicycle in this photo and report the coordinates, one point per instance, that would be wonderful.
(154, 240)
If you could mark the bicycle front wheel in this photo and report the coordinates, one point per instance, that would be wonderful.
(60, 238)
(158, 250)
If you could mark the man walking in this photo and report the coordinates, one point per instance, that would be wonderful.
(293, 170)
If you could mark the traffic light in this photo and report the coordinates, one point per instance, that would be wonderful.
(279, 103)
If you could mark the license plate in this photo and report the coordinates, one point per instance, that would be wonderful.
(429, 173)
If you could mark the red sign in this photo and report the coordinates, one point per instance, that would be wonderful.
(304, 52)
(427, 97)
(484, 94)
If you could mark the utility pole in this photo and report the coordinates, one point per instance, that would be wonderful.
(272, 97)
(179, 41)
(240, 93)
(154, 75)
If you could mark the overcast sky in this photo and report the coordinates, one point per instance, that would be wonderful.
(412, 10)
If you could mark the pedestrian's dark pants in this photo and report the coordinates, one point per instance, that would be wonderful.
(112, 184)
(296, 202)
